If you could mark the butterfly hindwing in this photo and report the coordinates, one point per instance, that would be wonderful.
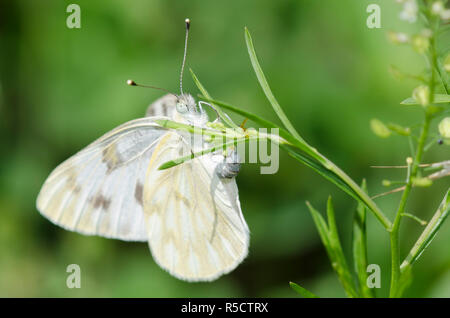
(196, 228)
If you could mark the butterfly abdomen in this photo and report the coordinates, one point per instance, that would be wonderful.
(228, 170)
(230, 167)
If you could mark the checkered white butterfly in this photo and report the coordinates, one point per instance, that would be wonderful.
(190, 214)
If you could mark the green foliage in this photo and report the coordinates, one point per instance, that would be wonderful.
(360, 247)
(330, 239)
(437, 99)
(302, 291)
(429, 233)
(62, 88)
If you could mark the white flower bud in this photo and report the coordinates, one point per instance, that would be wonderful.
(445, 15)
(398, 37)
(444, 127)
(410, 11)
(447, 63)
(437, 7)
(422, 95)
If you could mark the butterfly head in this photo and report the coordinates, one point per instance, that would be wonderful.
(188, 110)
(186, 104)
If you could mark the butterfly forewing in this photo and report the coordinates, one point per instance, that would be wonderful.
(99, 190)
(163, 106)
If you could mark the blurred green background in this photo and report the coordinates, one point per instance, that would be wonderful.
(62, 88)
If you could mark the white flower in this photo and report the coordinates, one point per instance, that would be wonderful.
(410, 11)
(398, 37)
(444, 127)
(445, 15)
(437, 7)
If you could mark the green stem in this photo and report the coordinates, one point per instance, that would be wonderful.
(362, 194)
(394, 233)
(428, 233)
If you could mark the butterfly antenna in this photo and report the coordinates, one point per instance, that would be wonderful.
(188, 23)
(133, 83)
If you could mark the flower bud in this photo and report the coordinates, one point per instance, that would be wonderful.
(410, 11)
(437, 7)
(379, 128)
(422, 95)
(420, 43)
(447, 63)
(398, 37)
(422, 182)
(445, 15)
(444, 127)
(216, 125)
(403, 131)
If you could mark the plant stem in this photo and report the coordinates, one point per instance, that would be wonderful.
(361, 193)
(394, 232)
(428, 233)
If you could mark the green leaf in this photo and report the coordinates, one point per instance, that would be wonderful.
(205, 93)
(302, 291)
(438, 99)
(342, 269)
(166, 123)
(428, 233)
(264, 123)
(320, 169)
(330, 239)
(176, 162)
(443, 75)
(322, 228)
(360, 247)
(266, 88)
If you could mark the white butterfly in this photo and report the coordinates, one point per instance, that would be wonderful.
(189, 214)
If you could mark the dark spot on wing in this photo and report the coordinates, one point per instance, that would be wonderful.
(100, 201)
(138, 193)
(164, 109)
(111, 158)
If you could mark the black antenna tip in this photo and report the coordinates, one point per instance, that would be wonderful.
(188, 23)
(131, 83)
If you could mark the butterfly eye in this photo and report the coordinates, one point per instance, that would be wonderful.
(182, 108)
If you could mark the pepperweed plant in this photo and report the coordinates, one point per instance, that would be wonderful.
(431, 96)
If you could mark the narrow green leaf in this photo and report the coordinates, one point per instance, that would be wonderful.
(320, 169)
(322, 228)
(443, 75)
(253, 117)
(342, 268)
(266, 88)
(438, 99)
(265, 123)
(205, 93)
(360, 247)
(166, 123)
(428, 233)
(330, 239)
(302, 291)
(176, 162)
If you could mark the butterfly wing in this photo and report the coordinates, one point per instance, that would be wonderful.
(163, 106)
(99, 190)
(196, 228)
